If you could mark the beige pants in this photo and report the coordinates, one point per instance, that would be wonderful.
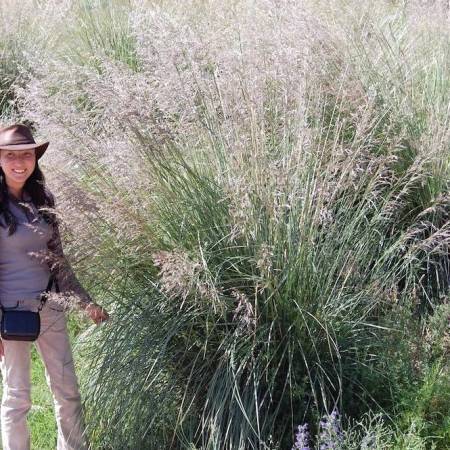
(54, 348)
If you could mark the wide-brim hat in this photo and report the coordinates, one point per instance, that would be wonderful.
(19, 137)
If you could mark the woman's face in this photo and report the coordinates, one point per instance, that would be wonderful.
(17, 166)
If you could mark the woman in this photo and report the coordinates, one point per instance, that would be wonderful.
(30, 257)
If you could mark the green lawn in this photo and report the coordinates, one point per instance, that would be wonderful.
(41, 417)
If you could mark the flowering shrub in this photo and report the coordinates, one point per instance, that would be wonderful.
(302, 438)
(331, 436)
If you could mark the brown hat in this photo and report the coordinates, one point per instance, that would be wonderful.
(19, 137)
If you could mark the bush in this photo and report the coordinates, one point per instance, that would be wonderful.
(265, 199)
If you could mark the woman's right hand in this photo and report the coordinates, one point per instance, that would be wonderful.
(96, 313)
(2, 352)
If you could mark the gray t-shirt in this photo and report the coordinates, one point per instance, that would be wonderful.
(24, 273)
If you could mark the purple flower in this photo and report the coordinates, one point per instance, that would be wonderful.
(302, 438)
(331, 435)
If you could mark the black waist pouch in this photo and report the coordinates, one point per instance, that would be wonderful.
(17, 325)
(20, 325)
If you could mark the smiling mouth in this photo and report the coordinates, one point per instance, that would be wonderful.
(18, 171)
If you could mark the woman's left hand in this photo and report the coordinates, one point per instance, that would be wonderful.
(96, 313)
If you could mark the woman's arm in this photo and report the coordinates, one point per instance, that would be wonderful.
(62, 270)
(68, 283)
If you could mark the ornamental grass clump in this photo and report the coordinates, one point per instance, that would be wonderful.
(24, 40)
(265, 198)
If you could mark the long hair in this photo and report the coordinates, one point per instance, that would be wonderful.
(40, 195)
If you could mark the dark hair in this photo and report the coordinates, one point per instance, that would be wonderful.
(40, 196)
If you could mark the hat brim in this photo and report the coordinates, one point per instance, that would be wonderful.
(40, 148)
